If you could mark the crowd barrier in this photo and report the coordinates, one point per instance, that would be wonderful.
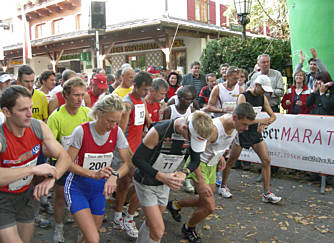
(301, 142)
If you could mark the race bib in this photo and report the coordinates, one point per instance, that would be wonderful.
(65, 141)
(257, 109)
(139, 114)
(96, 162)
(167, 162)
(17, 185)
(216, 158)
(229, 106)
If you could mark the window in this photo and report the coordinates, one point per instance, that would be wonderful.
(40, 31)
(57, 26)
(137, 61)
(201, 10)
(77, 21)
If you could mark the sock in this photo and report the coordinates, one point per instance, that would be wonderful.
(118, 215)
(189, 226)
(143, 233)
(59, 226)
(128, 217)
(175, 205)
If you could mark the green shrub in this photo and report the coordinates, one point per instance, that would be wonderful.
(243, 54)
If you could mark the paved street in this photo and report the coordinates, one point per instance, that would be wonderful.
(304, 215)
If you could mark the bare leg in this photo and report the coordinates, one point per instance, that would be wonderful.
(262, 151)
(89, 225)
(154, 221)
(26, 231)
(234, 155)
(10, 235)
(59, 204)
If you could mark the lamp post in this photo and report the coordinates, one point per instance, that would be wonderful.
(243, 8)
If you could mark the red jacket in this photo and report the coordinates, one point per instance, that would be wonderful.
(290, 95)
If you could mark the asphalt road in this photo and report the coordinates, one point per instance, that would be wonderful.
(303, 215)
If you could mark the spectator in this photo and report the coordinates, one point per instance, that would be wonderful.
(204, 95)
(255, 70)
(110, 81)
(5, 79)
(275, 77)
(322, 97)
(223, 69)
(314, 64)
(243, 75)
(195, 78)
(295, 98)
(173, 80)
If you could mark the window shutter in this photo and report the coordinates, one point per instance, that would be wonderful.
(222, 17)
(212, 12)
(191, 9)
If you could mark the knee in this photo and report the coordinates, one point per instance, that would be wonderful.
(210, 208)
(157, 232)
(266, 162)
(94, 239)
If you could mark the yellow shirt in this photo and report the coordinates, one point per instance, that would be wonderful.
(40, 108)
(122, 92)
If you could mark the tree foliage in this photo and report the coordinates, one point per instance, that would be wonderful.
(274, 13)
(243, 54)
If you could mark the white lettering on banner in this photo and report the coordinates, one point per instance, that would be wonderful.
(139, 114)
(96, 162)
(302, 142)
(24, 181)
(167, 163)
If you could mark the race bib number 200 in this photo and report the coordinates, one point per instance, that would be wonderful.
(96, 162)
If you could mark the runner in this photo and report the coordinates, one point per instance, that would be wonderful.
(157, 159)
(62, 123)
(253, 138)
(204, 177)
(21, 138)
(91, 148)
(132, 123)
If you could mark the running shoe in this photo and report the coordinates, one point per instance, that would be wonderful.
(125, 211)
(188, 186)
(47, 207)
(58, 235)
(270, 198)
(190, 234)
(118, 223)
(130, 228)
(42, 222)
(224, 192)
(175, 212)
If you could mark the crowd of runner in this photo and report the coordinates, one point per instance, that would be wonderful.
(133, 137)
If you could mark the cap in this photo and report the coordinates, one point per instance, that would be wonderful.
(265, 83)
(153, 70)
(100, 80)
(4, 78)
(197, 143)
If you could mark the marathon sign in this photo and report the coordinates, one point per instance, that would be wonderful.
(301, 142)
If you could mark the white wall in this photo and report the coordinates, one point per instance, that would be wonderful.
(39, 64)
(194, 50)
(178, 8)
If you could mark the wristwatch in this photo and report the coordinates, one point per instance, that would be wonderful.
(115, 173)
(186, 171)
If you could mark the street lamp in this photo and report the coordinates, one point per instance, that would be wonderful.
(243, 8)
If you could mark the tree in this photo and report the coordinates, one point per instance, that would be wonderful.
(274, 13)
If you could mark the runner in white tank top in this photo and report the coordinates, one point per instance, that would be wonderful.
(225, 95)
(175, 114)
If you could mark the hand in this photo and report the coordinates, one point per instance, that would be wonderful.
(299, 103)
(261, 127)
(221, 165)
(288, 102)
(45, 170)
(313, 53)
(205, 108)
(43, 188)
(110, 186)
(265, 121)
(205, 190)
(169, 179)
(301, 56)
(316, 86)
(323, 88)
(180, 175)
(105, 172)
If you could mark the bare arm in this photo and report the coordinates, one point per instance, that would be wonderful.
(167, 113)
(56, 150)
(125, 117)
(53, 104)
(211, 107)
